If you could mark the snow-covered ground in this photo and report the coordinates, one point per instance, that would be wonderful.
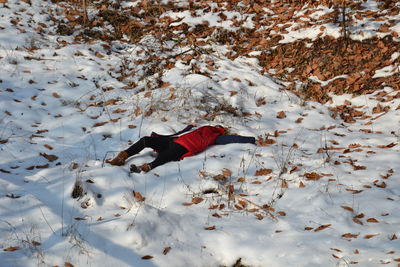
(318, 192)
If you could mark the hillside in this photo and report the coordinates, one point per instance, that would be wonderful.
(316, 82)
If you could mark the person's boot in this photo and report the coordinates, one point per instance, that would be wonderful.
(119, 160)
(142, 168)
(145, 167)
(135, 168)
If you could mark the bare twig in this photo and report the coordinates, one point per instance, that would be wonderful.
(85, 14)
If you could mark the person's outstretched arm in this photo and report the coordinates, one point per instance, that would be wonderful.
(229, 139)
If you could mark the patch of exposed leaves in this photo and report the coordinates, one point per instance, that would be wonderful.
(233, 198)
(340, 66)
(312, 68)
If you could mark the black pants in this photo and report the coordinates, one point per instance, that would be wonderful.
(167, 149)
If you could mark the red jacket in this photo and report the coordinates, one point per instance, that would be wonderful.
(199, 139)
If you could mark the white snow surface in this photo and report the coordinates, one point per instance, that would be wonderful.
(49, 104)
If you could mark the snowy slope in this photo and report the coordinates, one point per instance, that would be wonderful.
(318, 192)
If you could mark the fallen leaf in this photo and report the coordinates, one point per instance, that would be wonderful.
(384, 28)
(265, 141)
(4, 171)
(241, 180)
(263, 171)
(232, 93)
(284, 184)
(370, 236)
(119, 110)
(281, 115)
(197, 200)
(243, 203)
(35, 136)
(359, 167)
(372, 220)
(209, 228)
(299, 120)
(381, 185)
(295, 168)
(322, 227)
(259, 216)
(49, 147)
(138, 196)
(227, 172)
(165, 84)
(45, 166)
(166, 250)
(312, 176)
(99, 55)
(347, 208)
(261, 101)
(359, 216)
(216, 215)
(354, 145)
(388, 146)
(10, 249)
(100, 123)
(354, 191)
(357, 221)
(252, 210)
(147, 257)
(220, 177)
(35, 243)
(349, 235)
(238, 207)
(50, 158)
(213, 207)
(80, 218)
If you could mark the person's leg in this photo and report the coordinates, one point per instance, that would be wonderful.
(173, 153)
(156, 143)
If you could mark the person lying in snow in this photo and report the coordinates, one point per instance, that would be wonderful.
(174, 148)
